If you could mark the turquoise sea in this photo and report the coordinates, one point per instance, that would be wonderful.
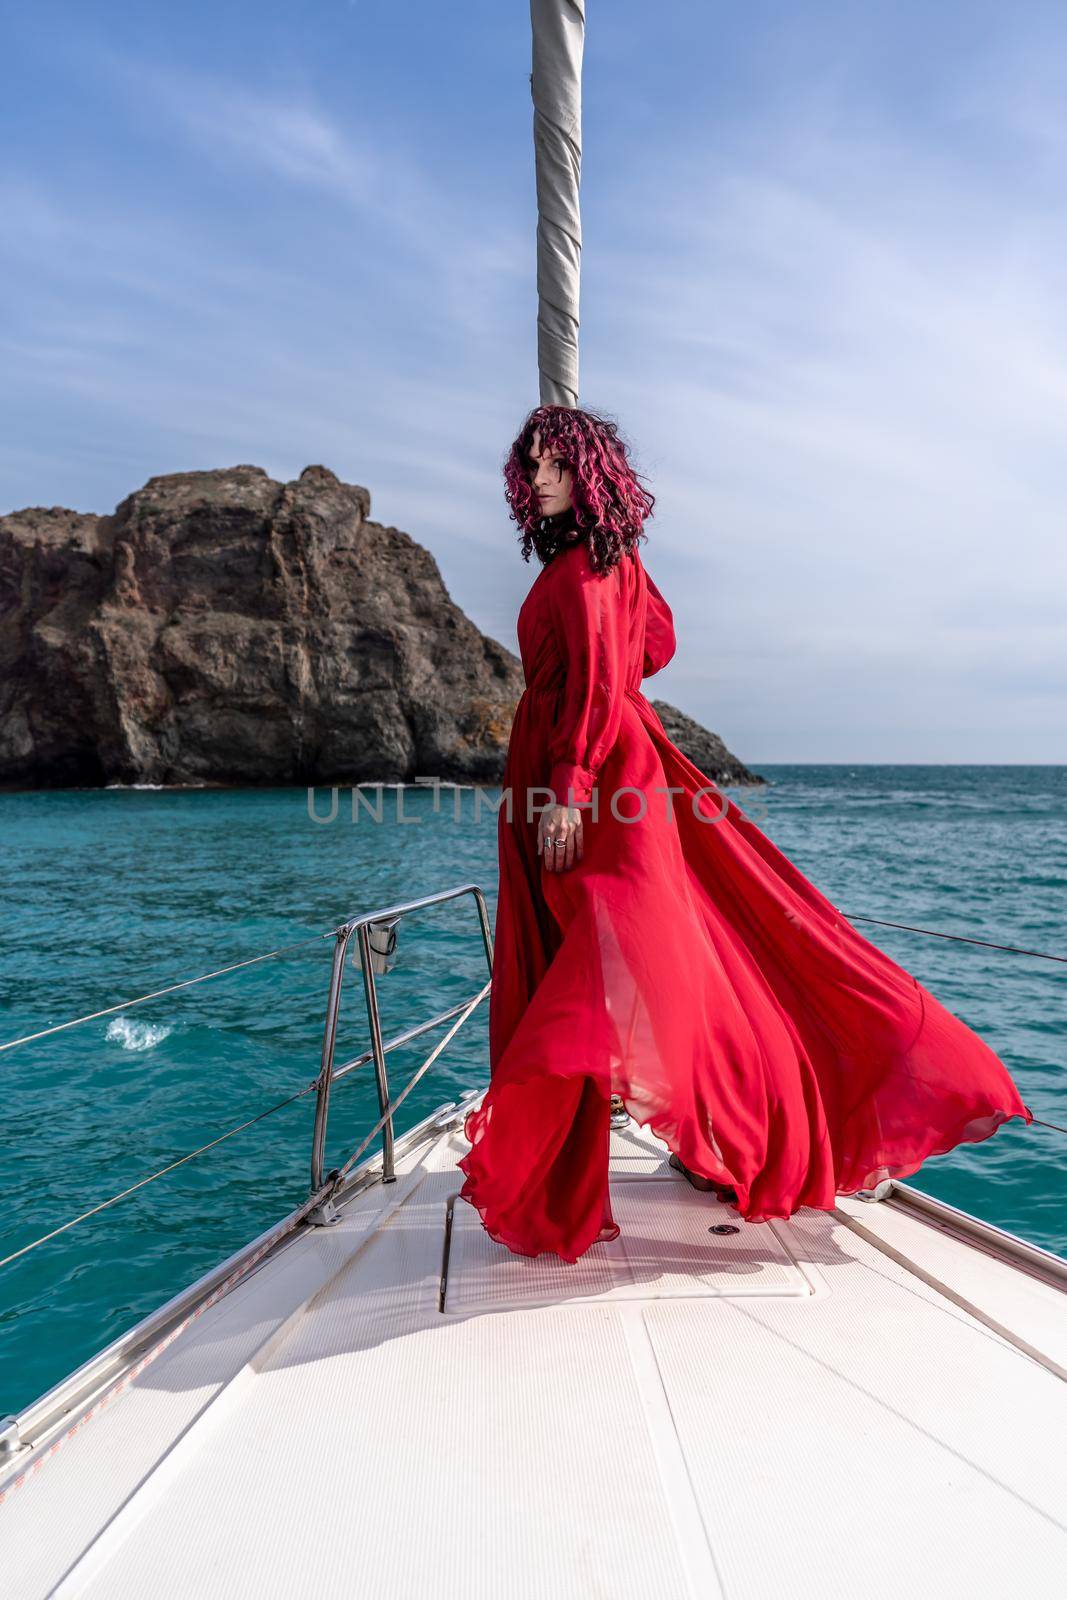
(110, 894)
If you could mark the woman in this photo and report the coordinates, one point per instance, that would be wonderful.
(652, 943)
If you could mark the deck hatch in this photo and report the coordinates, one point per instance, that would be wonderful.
(664, 1251)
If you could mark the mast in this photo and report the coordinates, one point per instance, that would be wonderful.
(556, 86)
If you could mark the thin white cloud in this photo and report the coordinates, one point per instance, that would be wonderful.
(405, 211)
(850, 366)
(840, 348)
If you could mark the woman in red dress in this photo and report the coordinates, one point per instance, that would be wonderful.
(652, 943)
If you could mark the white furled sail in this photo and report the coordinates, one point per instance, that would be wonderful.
(556, 85)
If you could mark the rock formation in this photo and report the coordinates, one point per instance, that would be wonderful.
(705, 750)
(222, 628)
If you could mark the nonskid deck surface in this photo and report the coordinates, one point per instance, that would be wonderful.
(780, 1410)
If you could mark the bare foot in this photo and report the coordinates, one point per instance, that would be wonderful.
(699, 1182)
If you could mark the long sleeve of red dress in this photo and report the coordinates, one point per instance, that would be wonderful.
(660, 641)
(591, 619)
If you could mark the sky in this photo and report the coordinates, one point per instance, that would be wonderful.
(824, 295)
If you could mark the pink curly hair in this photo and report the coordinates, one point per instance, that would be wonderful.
(609, 503)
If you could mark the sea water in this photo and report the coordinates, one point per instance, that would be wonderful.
(111, 894)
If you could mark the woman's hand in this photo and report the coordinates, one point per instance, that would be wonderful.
(559, 837)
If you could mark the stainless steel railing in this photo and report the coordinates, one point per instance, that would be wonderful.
(57, 1412)
(375, 933)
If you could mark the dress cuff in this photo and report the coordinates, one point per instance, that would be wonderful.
(571, 784)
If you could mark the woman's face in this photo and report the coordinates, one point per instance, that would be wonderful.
(550, 477)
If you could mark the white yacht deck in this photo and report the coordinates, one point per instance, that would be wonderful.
(394, 1407)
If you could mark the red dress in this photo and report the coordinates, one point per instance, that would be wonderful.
(685, 964)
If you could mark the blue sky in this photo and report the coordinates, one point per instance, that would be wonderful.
(824, 294)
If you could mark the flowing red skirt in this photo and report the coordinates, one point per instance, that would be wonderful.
(687, 965)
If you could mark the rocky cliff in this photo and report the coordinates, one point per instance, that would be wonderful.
(223, 628)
